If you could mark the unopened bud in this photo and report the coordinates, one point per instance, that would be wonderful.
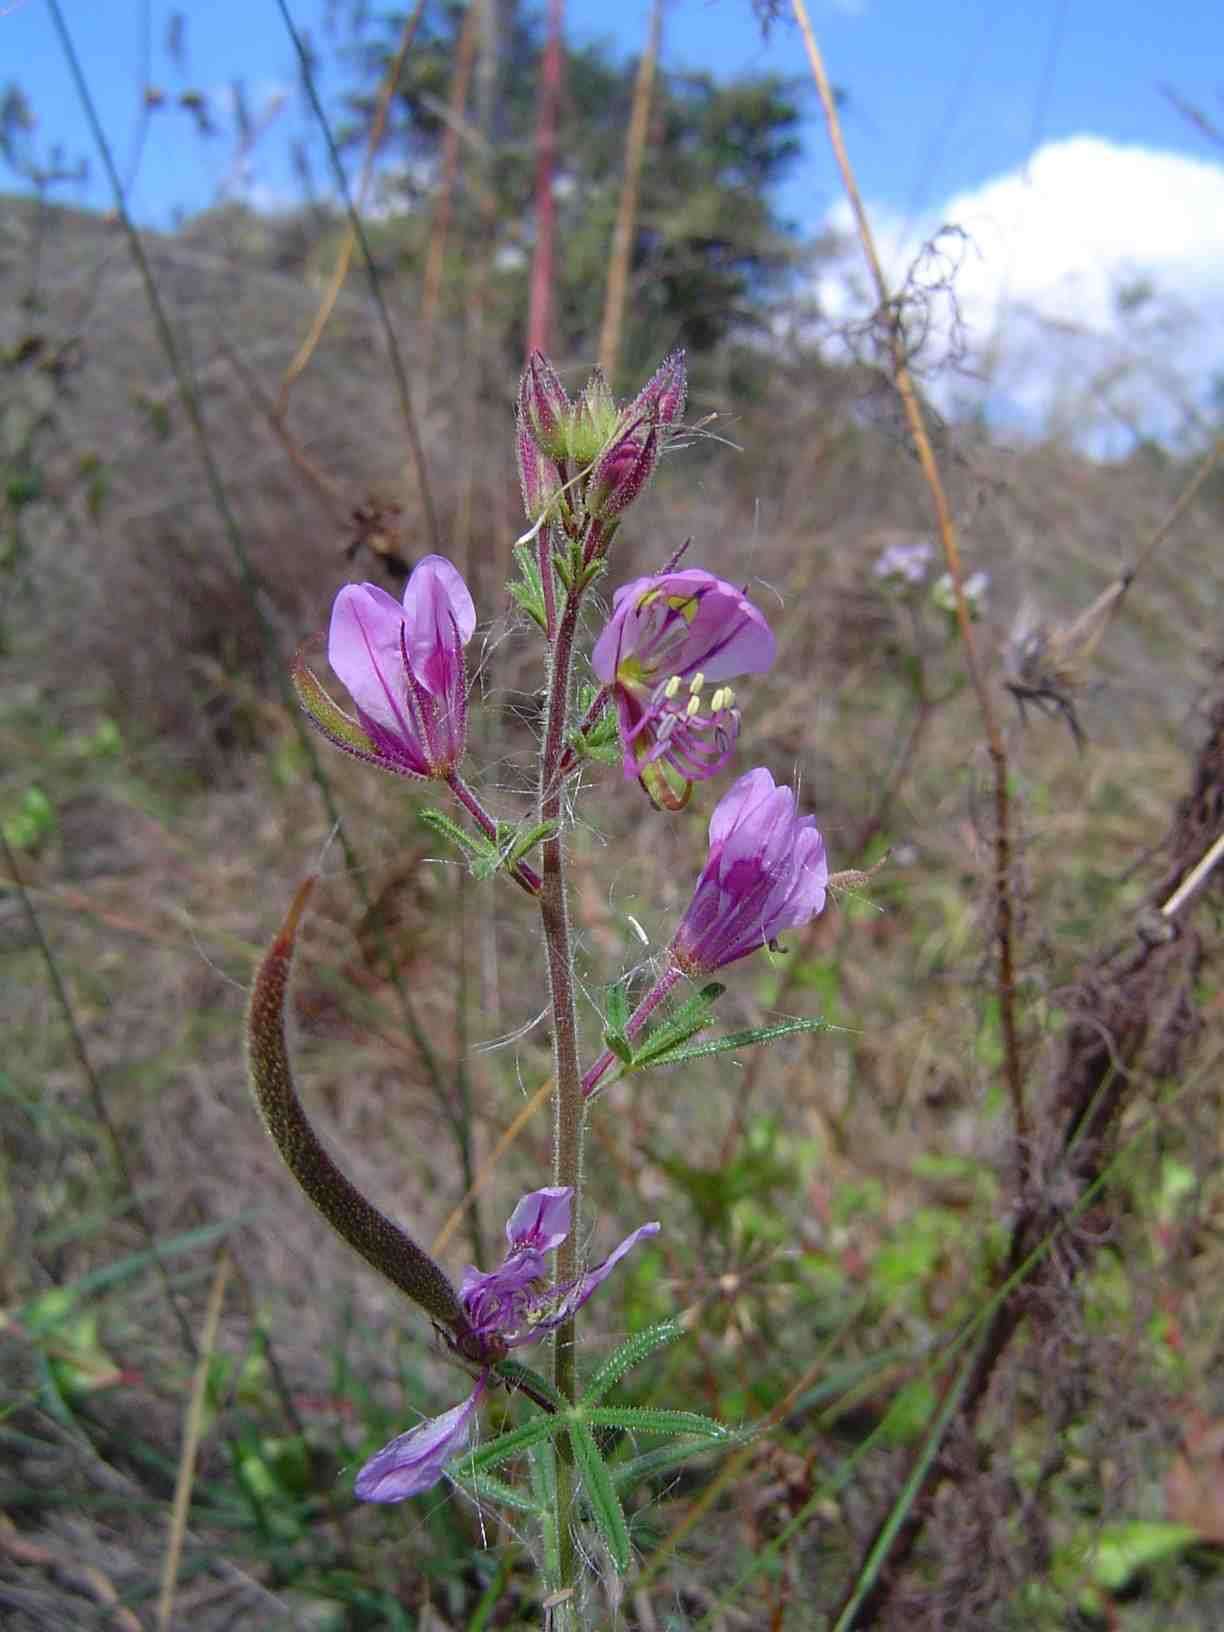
(544, 406)
(539, 477)
(622, 471)
(662, 398)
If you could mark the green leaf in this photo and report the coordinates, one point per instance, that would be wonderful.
(493, 1490)
(523, 839)
(629, 1354)
(608, 1513)
(543, 1472)
(513, 1372)
(722, 1045)
(692, 1015)
(643, 1419)
(528, 588)
(485, 857)
(511, 1443)
(615, 1021)
(601, 741)
(1119, 1551)
(665, 1459)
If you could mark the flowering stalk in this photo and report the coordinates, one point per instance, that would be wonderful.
(582, 463)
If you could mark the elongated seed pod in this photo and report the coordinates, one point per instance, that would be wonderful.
(382, 1244)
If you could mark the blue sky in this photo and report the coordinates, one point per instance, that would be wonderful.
(1045, 120)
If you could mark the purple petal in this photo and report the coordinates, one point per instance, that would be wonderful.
(415, 1461)
(766, 872)
(441, 619)
(363, 647)
(542, 1219)
(740, 798)
(595, 1278)
(728, 636)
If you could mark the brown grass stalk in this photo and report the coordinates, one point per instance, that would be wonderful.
(889, 313)
(543, 268)
(193, 1428)
(626, 215)
(345, 259)
(439, 227)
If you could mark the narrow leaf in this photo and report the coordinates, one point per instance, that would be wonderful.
(528, 589)
(663, 1459)
(606, 1509)
(685, 1022)
(734, 1040)
(511, 1443)
(641, 1419)
(516, 1375)
(493, 1490)
(525, 839)
(627, 1355)
(543, 1473)
(617, 1016)
(484, 856)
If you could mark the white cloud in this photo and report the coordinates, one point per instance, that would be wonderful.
(1043, 278)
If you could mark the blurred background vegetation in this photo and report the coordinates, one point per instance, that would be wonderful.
(178, 505)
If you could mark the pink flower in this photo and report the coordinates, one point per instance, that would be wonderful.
(404, 669)
(669, 637)
(766, 872)
(508, 1307)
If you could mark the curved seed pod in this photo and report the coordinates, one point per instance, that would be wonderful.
(382, 1244)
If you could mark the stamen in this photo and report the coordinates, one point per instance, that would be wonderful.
(672, 687)
(693, 706)
(696, 683)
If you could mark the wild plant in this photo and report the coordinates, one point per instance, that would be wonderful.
(659, 705)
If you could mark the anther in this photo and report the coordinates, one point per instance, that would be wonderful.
(696, 683)
(672, 687)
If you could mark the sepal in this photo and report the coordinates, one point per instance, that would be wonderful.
(330, 720)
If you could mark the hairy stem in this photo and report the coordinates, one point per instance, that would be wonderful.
(567, 1095)
(521, 873)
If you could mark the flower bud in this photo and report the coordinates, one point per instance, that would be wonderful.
(544, 406)
(622, 470)
(662, 398)
(539, 477)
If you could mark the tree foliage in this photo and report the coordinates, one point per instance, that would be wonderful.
(709, 246)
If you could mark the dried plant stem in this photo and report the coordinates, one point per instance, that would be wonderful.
(539, 317)
(1115, 1020)
(1181, 504)
(488, 1167)
(439, 227)
(626, 215)
(193, 1428)
(345, 259)
(394, 355)
(1005, 984)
